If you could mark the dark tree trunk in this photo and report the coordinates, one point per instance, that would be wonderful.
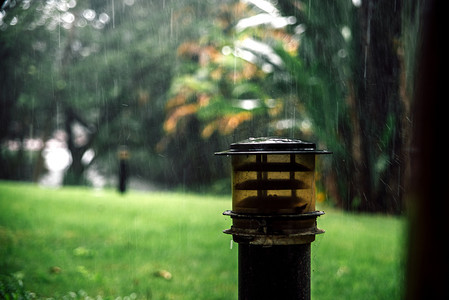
(377, 178)
(370, 161)
(75, 174)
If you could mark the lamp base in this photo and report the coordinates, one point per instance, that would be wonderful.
(277, 272)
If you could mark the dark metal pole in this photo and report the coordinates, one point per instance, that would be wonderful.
(275, 272)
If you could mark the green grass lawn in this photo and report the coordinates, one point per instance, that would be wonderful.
(73, 242)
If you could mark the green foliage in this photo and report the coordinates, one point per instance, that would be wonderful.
(170, 79)
(171, 246)
(11, 288)
(107, 68)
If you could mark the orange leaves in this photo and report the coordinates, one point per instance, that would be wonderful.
(226, 124)
(231, 122)
(179, 99)
(203, 99)
(220, 72)
(189, 50)
(178, 113)
(179, 108)
(198, 53)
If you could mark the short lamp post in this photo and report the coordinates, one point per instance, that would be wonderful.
(273, 216)
(123, 156)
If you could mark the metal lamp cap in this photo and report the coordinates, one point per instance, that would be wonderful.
(272, 145)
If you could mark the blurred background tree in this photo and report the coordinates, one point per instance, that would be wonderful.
(175, 81)
(356, 53)
(334, 71)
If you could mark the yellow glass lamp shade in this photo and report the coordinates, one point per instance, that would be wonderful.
(273, 176)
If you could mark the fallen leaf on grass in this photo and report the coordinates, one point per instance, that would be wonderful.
(55, 270)
(164, 274)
